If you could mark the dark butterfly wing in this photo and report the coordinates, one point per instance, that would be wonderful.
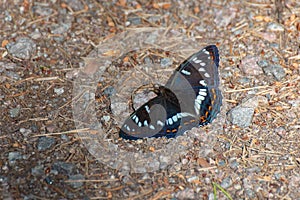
(152, 118)
(197, 78)
(190, 98)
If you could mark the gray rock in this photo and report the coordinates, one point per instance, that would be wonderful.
(8, 17)
(276, 70)
(192, 179)
(14, 112)
(109, 91)
(37, 170)
(23, 48)
(250, 67)
(106, 118)
(241, 116)
(76, 5)
(60, 29)
(12, 75)
(45, 143)
(75, 180)
(165, 62)
(59, 91)
(275, 27)
(187, 193)
(64, 168)
(226, 183)
(233, 163)
(42, 10)
(151, 39)
(263, 63)
(7, 65)
(14, 156)
(135, 20)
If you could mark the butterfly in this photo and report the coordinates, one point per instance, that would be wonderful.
(191, 97)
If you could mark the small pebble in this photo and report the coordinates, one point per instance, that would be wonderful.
(226, 183)
(187, 193)
(14, 156)
(109, 91)
(45, 143)
(276, 70)
(192, 179)
(165, 62)
(37, 170)
(151, 39)
(76, 178)
(249, 65)
(14, 112)
(263, 63)
(241, 116)
(275, 27)
(105, 118)
(64, 168)
(59, 91)
(23, 48)
(135, 20)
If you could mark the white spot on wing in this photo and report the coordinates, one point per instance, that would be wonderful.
(202, 64)
(160, 123)
(185, 72)
(202, 93)
(205, 51)
(174, 118)
(198, 101)
(127, 127)
(145, 123)
(152, 127)
(147, 108)
(199, 97)
(202, 82)
(206, 75)
(140, 124)
(170, 121)
(196, 108)
(136, 119)
(201, 69)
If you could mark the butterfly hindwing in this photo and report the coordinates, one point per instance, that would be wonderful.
(153, 119)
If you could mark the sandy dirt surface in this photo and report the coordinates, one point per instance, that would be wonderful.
(250, 152)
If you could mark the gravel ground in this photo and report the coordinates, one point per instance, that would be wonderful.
(249, 152)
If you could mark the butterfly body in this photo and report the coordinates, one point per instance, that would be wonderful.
(190, 98)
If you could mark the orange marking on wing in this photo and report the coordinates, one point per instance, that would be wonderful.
(206, 114)
(168, 131)
(202, 119)
(174, 130)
